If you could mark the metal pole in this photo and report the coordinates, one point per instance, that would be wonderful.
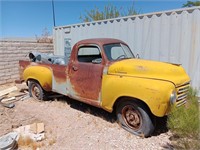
(54, 22)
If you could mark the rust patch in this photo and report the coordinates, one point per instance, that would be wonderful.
(59, 73)
(92, 102)
(87, 101)
(86, 80)
(100, 41)
(22, 65)
(47, 87)
(141, 68)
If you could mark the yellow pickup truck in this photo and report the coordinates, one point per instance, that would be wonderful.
(104, 73)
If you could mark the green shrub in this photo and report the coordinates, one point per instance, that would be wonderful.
(184, 123)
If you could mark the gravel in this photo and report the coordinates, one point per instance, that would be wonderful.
(73, 125)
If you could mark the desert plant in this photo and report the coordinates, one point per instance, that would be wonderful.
(28, 143)
(109, 11)
(192, 3)
(184, 123)
(45, 37)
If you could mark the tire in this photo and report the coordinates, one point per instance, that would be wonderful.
(134, 118)
(36, 91)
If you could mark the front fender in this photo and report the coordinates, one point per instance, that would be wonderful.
(155, 93)
(41, 74)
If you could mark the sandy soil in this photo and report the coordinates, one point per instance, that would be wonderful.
(73, 125)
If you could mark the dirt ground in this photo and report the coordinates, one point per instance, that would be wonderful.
(73, 125)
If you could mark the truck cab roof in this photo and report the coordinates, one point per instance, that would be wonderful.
(100, 41)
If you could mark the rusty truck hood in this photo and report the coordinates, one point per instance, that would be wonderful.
(150, 69)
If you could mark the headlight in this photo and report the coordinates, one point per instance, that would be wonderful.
(173, 97)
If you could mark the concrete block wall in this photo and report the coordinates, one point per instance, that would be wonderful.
(11, 51)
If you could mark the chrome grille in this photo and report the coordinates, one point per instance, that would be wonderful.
(182, 93)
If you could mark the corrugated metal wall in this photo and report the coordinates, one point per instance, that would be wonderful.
(169, 36)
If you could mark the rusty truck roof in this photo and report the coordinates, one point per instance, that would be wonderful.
(100, 41)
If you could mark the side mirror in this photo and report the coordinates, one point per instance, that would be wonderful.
(137, 56)
(97, 61)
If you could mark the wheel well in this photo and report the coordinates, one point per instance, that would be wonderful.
(137, 101)
(29, 80)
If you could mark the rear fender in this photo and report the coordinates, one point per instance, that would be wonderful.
(41, 74)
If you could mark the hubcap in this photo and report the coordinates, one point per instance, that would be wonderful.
(131, 117)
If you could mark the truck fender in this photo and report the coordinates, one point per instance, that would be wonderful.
(153, 93)
(42, 74)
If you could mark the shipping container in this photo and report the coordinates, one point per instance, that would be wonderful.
(168, 36)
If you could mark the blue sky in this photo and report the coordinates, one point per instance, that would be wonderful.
(28, 18)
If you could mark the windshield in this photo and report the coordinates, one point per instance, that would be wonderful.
(117, 51)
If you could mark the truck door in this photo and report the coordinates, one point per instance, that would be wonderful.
(85, 74)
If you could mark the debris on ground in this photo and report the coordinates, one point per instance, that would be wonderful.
(8, 105)
(9, 141)
(67, 121)
(15, 93)
(24, 97)
(7, 91)
(34, 131)
(22, 87)
(8, 99)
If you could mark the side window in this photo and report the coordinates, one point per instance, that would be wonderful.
(88, 54)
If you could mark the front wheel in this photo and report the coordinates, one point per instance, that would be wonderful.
(134, 118)
(35, 90)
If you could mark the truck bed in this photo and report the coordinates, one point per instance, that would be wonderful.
(59, 75)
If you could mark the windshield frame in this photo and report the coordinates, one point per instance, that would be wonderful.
(123, 45)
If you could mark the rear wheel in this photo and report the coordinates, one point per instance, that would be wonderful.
(35, 90)
(134, 118)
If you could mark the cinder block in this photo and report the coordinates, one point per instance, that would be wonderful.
(2, 82)
(11, 48)
(10, 54)
(5, 77)
(15, 76)
(2, 67)
(2, 75)
(10, 80)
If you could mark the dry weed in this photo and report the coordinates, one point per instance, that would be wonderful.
(29, 143)
(52, 141)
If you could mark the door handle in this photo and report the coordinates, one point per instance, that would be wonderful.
(74, 68)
